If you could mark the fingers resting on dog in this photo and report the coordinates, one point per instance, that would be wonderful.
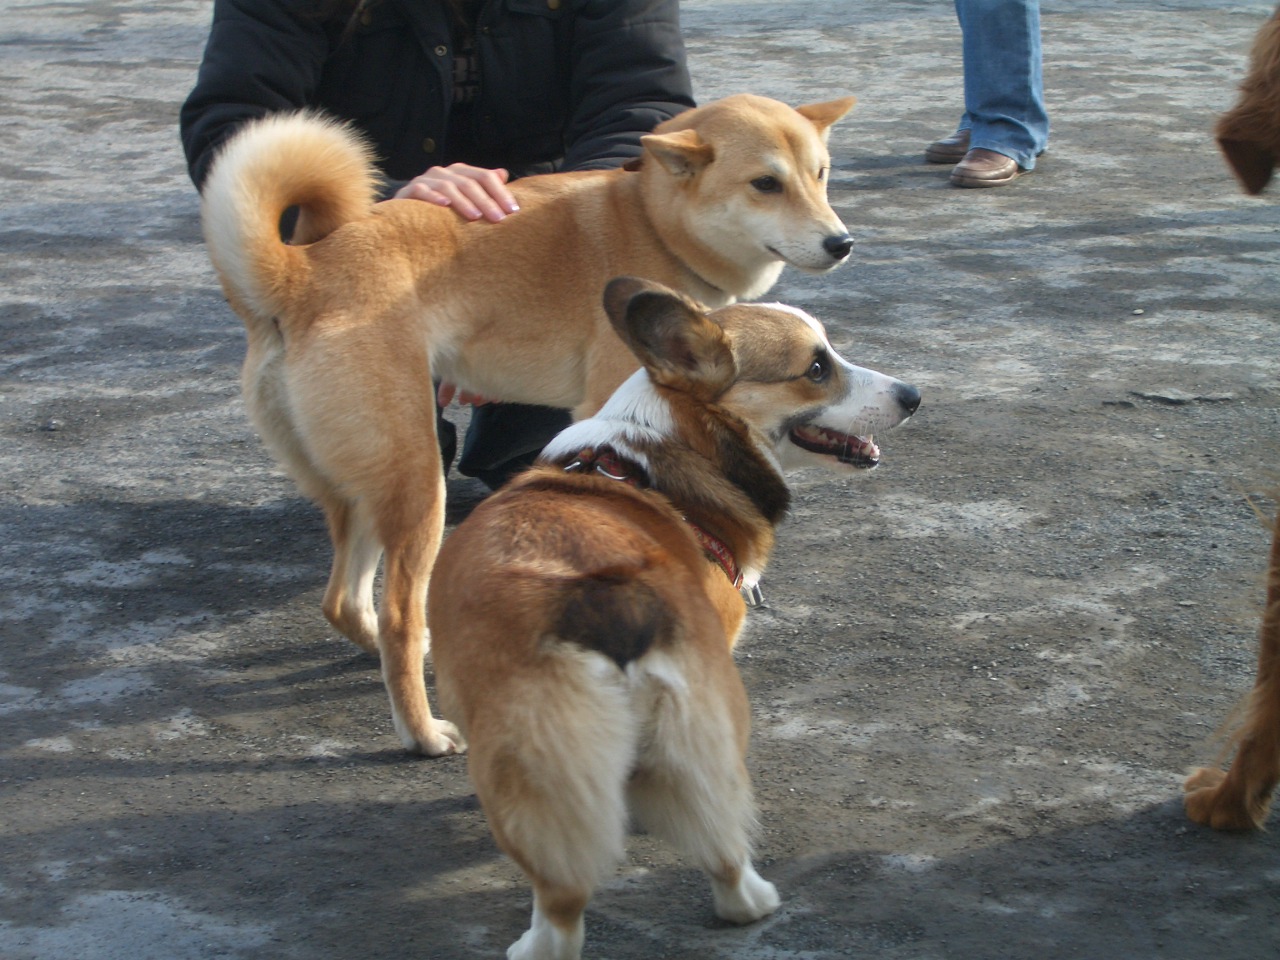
(473, 192)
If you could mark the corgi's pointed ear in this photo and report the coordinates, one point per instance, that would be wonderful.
(673, 336)
(823, 115)
(682, 153)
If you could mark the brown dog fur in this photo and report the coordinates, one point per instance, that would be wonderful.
(1249, 134)
(1240, 798)
(348, 325)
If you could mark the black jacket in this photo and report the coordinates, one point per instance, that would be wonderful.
(565, 84)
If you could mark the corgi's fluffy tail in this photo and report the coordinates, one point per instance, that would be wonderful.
(285, 160)
(552, 774)
(580, 748)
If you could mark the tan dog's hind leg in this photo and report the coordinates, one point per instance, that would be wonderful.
(348, 600)
(411, 528)
(368, 455)
(1240, 798)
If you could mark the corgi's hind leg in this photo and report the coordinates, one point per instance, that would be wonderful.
(740, 894)
(556, 931)
(692, 789)
(550, 764)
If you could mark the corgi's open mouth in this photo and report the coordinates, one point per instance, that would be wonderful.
(856, 451)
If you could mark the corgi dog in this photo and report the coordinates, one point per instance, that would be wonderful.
(584, 617)
(348, 324)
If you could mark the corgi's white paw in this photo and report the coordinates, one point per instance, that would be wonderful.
(751, 898)
(545, 941)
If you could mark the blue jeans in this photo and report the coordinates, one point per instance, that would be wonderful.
(1003, 88)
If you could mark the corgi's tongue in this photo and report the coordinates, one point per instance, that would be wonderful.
(845, 447)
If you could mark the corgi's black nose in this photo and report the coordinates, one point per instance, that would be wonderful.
(908, 397)
(838, 245)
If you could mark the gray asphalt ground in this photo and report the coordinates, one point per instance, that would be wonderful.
(983, 671)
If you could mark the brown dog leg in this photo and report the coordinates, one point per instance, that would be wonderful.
(1240, 798)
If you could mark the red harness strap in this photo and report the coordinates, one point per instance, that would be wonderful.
(609, 464)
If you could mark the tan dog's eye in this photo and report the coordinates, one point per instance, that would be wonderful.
(767, 184)
(819, 370)
(822, 174)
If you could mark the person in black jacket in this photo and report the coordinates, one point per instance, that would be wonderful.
(457, 97)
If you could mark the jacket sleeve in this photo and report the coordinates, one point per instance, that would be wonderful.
(261, 56)
(628, 74)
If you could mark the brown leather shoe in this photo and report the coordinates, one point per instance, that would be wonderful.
(984, 168)
(949, 149)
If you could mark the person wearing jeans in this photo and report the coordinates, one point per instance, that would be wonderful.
(1005, 125)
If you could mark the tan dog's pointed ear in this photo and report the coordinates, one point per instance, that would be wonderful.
(682, 153)
(1251, 162)
(672, 336)
(823, 115)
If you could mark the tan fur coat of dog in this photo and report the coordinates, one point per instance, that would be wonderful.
(348, 325)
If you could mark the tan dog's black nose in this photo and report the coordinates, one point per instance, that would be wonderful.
(838, 245)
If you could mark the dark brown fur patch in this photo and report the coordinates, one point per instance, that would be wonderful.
(730, 477)
(746, 469)
(617, 616)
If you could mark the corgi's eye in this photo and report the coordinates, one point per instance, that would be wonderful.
(819, 370)
(767, 184)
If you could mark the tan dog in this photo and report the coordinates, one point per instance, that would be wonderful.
(1249, 133)
(1239, 798)
(347, 328)
(583, 618)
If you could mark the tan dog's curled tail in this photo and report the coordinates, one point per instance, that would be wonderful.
(303, 159)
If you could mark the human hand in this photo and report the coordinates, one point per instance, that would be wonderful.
(447, 392)
(474, 192)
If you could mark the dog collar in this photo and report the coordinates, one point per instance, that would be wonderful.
(608, 463)
(716, 549)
